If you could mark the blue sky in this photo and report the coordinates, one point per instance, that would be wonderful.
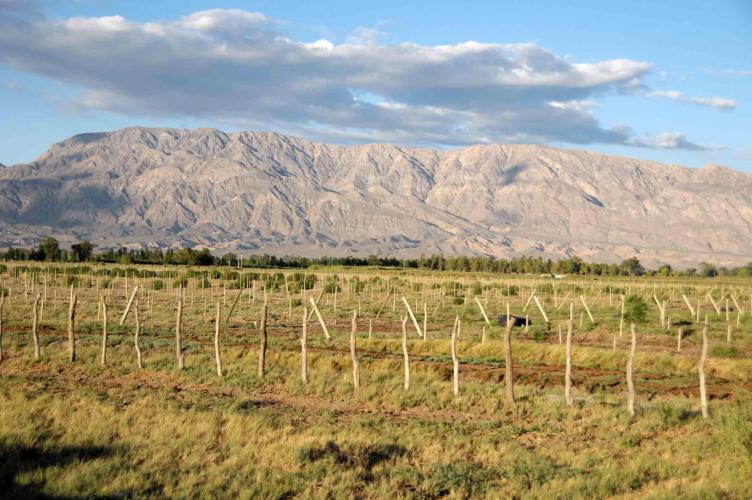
(669, 81)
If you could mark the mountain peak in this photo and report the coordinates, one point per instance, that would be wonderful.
(268, 192)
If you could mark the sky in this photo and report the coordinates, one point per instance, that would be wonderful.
(669, 81)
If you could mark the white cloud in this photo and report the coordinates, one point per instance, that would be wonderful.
(719, 103)
(232, 66)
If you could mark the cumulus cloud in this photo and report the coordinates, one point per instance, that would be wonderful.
(233, 66)
(719, 103)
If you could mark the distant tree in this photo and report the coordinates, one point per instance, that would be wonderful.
(49, 249)
(632, 267)
(664, 270)
(708, 270)
(82, 251)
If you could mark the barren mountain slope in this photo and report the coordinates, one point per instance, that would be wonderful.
(265, 192)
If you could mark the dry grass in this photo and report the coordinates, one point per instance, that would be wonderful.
(86, 430)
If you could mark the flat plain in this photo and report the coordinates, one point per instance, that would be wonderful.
(85, 428)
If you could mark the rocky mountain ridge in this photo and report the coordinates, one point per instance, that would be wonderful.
(259, 192)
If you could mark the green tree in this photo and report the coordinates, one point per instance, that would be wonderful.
(82, 251)
(708, 270)
(632, 267)
(50, 249)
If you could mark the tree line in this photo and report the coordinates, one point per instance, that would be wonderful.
(84, 251)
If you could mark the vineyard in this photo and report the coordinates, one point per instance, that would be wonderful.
(185, 381)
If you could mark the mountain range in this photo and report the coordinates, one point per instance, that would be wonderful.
(260, 192)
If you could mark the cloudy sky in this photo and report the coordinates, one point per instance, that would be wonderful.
(671, 82)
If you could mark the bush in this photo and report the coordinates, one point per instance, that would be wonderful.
(158, 285)
(3, 269)
(635, 309)
(180, 282)
(458, 301)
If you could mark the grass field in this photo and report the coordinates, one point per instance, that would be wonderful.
(84, 429)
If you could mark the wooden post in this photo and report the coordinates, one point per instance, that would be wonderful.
(560, 338)
(128, 307)
(455, 360)
(630, 366)
(139, 361)
(72, 326)
(262, 347)
(701, 372)
(304, 347)
(689, 306)
(587, 309)
(217, 328)
(405, 353)
(728, 332)
(353, 355)
(542, 311)
(412, 316)
(483, 311)
(715, 306)
(370, 327)
(508, 371)
(679, 335)
(35, 327)
(532, 294)
(178, 331)
(425, 319)
(568, 369)
(483, 335)
(320, 318)
(103, 302)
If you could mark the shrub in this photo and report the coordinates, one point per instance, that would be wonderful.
(182, 281)
(458, 301)
(158, 285)
(635, 309)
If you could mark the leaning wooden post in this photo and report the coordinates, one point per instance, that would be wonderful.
(508, 372)
(630, 365)
(179, 331)
(35, 327)
(482, 311)
(128, 307)
(262, 347)
(353, 354)
(455, 360)
(320, 318)
(72, 326)
(103, 301)
(217, 327)
(701, 371)
(542, 311)
(568, 369)
(136, 336)
(304, 347)
(405, 353)
(412, 316)
(587, 309)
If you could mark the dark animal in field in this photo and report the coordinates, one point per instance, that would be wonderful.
(516, 320)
